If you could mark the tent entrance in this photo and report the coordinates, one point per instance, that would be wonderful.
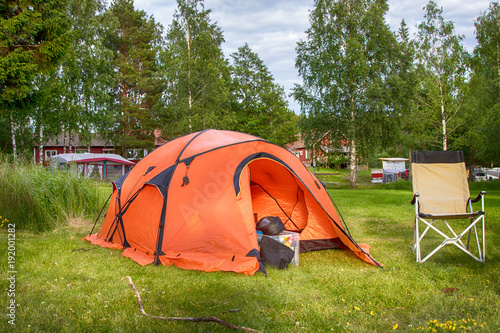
(277, 192)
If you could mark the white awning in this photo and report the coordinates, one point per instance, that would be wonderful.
(90, 158)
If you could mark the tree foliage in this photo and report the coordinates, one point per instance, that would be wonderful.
(345, 64)
(86, 75)
(486, 86)
(260, 104)
(197, 74)
(74, 97)
(92, 67)
(443, 64)
(34, 36)
(134, 39)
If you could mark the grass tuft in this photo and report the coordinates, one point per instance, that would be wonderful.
(40, 200)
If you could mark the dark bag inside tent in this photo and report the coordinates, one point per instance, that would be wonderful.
(271, 225)
(275, 253)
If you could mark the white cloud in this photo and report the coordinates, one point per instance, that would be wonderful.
(461, 12)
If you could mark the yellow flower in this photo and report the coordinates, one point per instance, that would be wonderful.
(395, 327)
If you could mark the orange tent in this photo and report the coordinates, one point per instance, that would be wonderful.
(194, 203)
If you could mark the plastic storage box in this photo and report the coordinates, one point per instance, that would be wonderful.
(290, 239)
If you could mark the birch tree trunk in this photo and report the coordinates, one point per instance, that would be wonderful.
(40, 140)
(190, 100)
(445, 131)
(353, 154)
(354, 166)
(13, 138)
(65, 143)
(443, 115)
(21, 140)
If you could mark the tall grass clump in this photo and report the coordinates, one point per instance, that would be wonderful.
(37, 199)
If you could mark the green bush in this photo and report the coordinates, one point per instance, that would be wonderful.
(39, 200)
(399, 185)
(484, 186)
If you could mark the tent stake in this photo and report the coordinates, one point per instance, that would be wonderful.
(195, 319)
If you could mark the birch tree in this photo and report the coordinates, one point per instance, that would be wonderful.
(86, 82)
(443, 64)
(344, 63)
(197, 74)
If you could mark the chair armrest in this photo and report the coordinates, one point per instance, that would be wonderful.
(415, 196)
(478, 197)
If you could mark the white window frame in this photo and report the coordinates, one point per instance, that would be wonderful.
(49, 153)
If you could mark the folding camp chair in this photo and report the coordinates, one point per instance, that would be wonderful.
(441, 193)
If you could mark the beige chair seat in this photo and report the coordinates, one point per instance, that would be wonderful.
(450, 216)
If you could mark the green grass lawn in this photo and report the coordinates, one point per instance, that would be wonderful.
(340, 177)
(60, 287)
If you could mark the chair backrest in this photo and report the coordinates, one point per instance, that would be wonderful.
(440, 178)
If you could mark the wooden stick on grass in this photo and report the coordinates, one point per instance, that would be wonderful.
(195, 319)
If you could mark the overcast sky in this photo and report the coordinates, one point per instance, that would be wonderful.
(272, 28)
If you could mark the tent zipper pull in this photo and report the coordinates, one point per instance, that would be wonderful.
(185, 179)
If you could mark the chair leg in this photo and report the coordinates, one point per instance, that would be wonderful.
(484, 239)
(416, 240)
(468, 239)
(456, 239)
(478, 245)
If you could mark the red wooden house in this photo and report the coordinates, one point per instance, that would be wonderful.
(298, 148)
(306, 156)
(63, 144)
